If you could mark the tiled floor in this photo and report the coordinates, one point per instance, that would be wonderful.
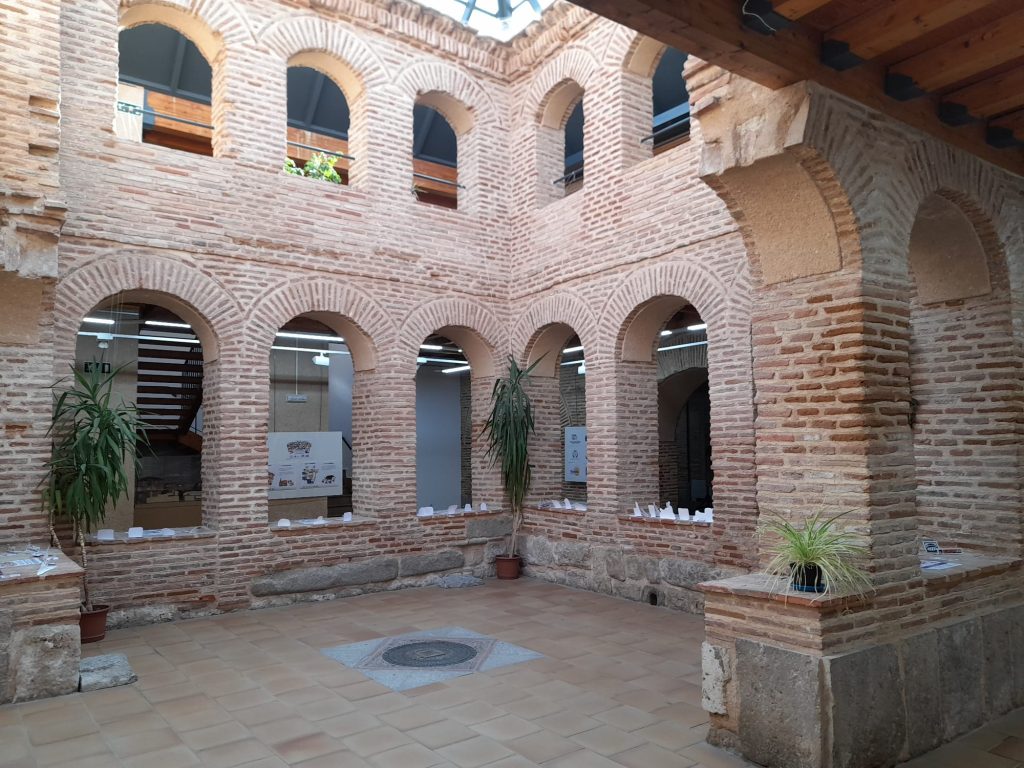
(618, 687)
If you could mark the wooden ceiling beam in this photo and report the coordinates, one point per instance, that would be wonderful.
(1001, 93)
(966, 56)
(897, 22)
(713, 30)
(1013, 122)
(797, 9)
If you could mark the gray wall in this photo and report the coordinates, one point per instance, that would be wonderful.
(438, 438)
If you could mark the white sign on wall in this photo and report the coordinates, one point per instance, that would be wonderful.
(305, 464)
(575, 454)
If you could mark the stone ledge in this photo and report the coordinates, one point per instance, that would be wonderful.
(440, 516)
(762, 587)
(558, 510)
(969, 566)
(180, 534)
(657, 521)
(329, 522)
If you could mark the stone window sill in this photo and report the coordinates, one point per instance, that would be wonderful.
(969, 565)
(180, 534)
(658, 521)
(441, 516)
(330, 522)
(558, 510)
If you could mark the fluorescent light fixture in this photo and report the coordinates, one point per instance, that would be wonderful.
(459, 369)
(432, 347)
(443, 361)
(567, 350)
(310, 349)
(98, 320)
(572, 362)
(666, 333)
(165, 324)
(313, 336)
(165, 339)
(321, 359)
(683, 346)
(697, 327)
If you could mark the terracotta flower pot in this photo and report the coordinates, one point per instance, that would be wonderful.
(93, 624)
(508, 567)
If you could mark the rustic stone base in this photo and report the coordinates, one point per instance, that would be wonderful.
(666, 581)
(873, 707)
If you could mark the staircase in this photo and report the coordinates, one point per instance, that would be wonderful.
(170, 387)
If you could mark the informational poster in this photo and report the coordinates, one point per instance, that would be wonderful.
(575, 454)
(305, 464)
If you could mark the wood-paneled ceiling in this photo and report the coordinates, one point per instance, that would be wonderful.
(951, 68)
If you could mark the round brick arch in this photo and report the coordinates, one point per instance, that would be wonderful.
(425, 78)
(296, 35)
(574, 64)
(348, 311)
(209, 24)
(726, 309)
(479, 333)
(185, 290)
(532, 334)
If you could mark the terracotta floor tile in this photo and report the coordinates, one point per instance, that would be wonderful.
(143, 741)
(307, 747)
(236, 753)
(607, 740)
(441, 734)
(376, 740)
(406, 756)
(542, 746)
(652, 756)
(475, 752)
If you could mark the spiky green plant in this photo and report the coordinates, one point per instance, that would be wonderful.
(95, 442)
(318, 166)
(821, 542)
(508, 430)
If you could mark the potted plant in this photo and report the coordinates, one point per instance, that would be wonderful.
(508, 431)
(818, 557)
(95, 444)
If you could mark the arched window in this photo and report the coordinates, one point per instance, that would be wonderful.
(444, 428)
(318, 125)
(435, 158)
(310, 444)
(573, 177)
(157, 361)
(671, 123)
(164, 90)
(560, 139)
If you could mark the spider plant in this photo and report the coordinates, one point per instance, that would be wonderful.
(819, 556)
(508, 431)
(95, 444)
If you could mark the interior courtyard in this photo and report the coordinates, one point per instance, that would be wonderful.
(762, 261)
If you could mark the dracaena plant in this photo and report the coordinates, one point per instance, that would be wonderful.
(817, 541)
(508, 430)
(96, 441)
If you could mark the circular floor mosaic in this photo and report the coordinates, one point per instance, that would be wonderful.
(429, 653)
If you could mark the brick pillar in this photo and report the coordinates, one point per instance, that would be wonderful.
(249, 123)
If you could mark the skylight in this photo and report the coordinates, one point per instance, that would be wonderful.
(500, 19)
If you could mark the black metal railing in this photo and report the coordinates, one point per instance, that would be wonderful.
(135, 109)
(572, 176)
(438, 180)
(321, 150)
(678, 127)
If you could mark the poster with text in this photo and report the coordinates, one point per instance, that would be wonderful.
(305, 464)
(575, 454)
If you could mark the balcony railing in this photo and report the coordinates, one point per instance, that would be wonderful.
(135, 109)
(321, 150)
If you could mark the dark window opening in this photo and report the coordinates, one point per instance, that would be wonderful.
(671, 123)
(435, 158)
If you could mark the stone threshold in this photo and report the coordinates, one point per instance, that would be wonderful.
(180, 534)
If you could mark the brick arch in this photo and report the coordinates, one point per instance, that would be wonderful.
(560, 309)
(963, 181)
(636, 53)
(194, 295)
(210, 24)
(485, 334)
(726, 309)
(574, 64)
(425, 78)
(348, 311)
(295, 35)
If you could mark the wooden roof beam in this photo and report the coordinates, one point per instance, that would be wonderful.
(1001, 93)
(886, 27)
(797, 9)
(966, 56)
